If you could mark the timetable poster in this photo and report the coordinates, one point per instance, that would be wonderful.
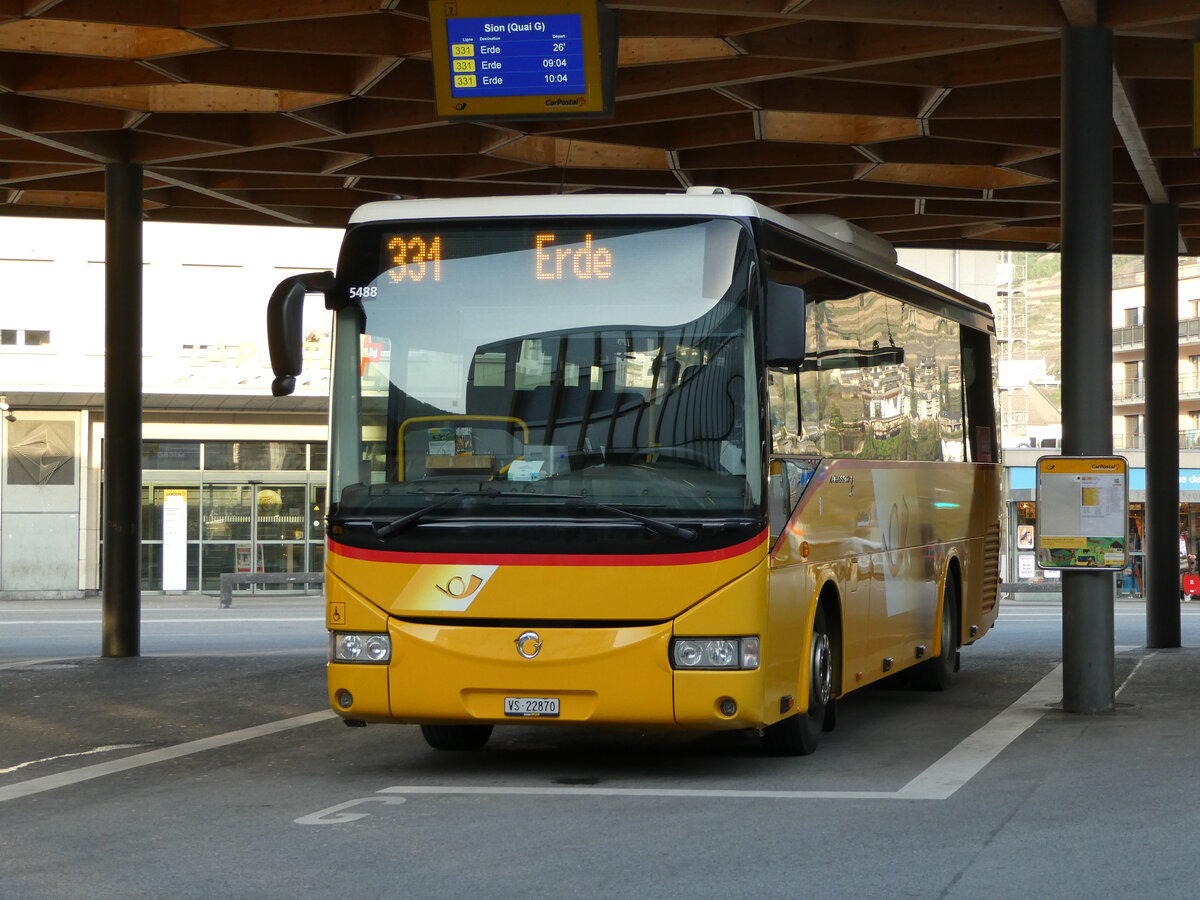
(1082, 512)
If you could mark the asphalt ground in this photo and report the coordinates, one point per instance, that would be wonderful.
(209, 767)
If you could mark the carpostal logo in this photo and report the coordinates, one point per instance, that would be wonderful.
(564, 101)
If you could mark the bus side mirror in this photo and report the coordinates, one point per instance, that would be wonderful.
(784, 321)
(285, 326)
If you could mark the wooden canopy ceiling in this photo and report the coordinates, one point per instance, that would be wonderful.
(930, 122)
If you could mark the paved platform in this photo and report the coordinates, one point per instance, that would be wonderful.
(205, 773)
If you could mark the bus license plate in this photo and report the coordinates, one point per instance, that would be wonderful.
(531, 706)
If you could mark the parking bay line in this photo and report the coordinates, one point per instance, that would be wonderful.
(938, 782)
(163, 754)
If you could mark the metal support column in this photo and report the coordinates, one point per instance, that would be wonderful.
(1162, 425)
(1087, 126)
(122, 515)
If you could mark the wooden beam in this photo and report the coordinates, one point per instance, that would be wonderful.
(209, 13)
(94, 39)
(818, 41)
(831, 128)
(1038, 98)
(159, 14)
(45, 73)
(760, 154)
(1007, 16)
(15, 122)
(271, 71)
(646, 51)
(190, 98)
(1034, 133)
(192, 183)
(374, 34)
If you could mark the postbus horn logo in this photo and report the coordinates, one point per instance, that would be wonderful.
(460, 589)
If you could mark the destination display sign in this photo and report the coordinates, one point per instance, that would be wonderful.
(522, 58)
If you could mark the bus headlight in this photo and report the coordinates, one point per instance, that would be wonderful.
(359, 647)
(715, 653)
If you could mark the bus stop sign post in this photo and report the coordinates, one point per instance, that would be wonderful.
(1082, 523)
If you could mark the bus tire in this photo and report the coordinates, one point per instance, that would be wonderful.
(799, 734)
(937, 674)
(456, 737)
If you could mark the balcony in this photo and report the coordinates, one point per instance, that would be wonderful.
(1135, 279)
(1133, 337)
(1188, 440)
(1132, 391)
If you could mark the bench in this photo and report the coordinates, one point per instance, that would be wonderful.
(229, 579)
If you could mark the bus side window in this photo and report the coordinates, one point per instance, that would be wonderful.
(789, 478)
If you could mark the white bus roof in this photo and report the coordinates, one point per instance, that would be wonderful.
(697, 201)
(845, 237)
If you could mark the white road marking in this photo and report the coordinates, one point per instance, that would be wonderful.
(1129, 677)
(938, 782)
(150, 757)
(336, 815)
(33, 762)
(689, 793)
(968, 759)
(34, 663)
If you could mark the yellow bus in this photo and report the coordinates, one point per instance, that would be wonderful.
(668, 461)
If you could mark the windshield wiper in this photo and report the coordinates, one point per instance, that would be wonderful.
(445, 498)
(658, 526)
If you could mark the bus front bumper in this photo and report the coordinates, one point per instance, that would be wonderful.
(603, 676)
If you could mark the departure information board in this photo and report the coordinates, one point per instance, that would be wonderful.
(522, 58)
(516, 56)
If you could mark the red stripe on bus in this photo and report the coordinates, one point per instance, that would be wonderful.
(547, 559)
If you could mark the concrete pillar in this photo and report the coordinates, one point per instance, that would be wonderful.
(122, 515)
(1087, 128)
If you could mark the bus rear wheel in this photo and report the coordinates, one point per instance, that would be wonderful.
(937, 674)
(800, 734)
(456, 737)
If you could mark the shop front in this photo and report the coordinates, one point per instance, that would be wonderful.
(230, 506)
(1021, 567)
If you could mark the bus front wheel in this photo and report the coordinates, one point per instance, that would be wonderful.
(799, 735)
(456, 737)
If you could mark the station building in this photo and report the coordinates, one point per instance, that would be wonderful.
(244, 473)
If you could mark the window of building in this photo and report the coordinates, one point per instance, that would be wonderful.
(1133, 315)
(171, 455)
(30, 337)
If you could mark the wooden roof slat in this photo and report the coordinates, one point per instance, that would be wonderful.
(1022, 14)
(208, 13)
(373, 34)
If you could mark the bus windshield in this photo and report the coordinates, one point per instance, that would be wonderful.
(602, 367)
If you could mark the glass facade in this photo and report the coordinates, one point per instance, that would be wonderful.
(251, 506)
